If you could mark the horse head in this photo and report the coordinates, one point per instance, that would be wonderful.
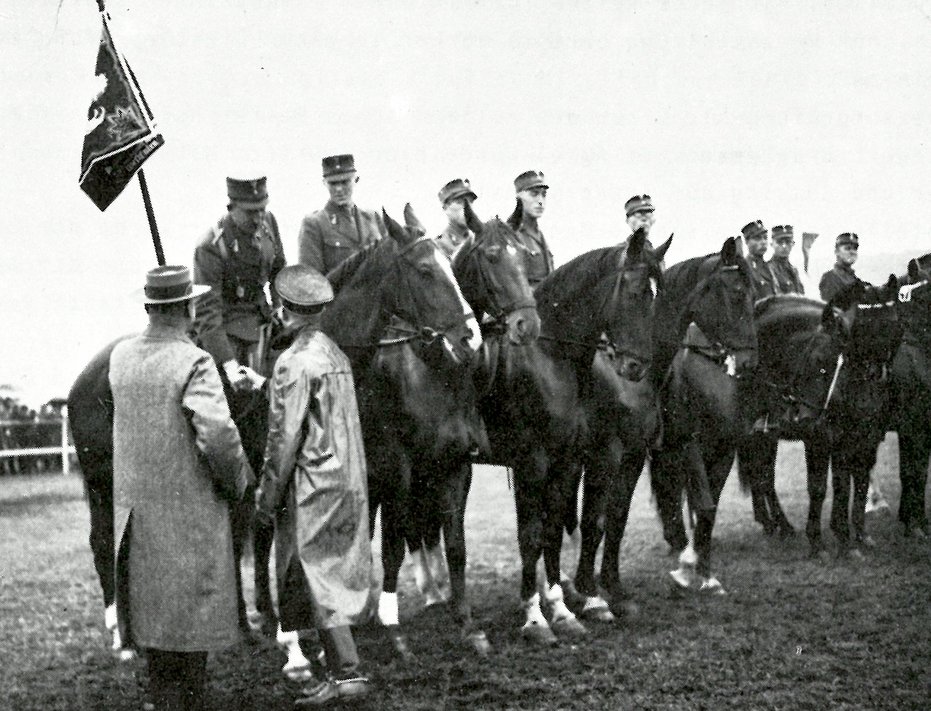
(490, 271)
(721, 304)
(604, 299)
(421, 292)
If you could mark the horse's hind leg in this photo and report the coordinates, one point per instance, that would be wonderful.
(752, 471)
(263, 537)
(592, 530)
(717, 469)
(100, 502)
(770, 451)
(667, 480)
(241, 514)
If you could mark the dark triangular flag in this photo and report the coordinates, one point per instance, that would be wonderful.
(120, 133)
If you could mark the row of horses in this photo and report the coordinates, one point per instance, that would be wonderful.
(609, 362)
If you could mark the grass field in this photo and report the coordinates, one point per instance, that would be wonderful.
(792, 634)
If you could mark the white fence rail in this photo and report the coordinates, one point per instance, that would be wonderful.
(64, 449)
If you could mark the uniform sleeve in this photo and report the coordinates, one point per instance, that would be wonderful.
(290, 396)
(310, 244)
(208, 322)
(217, 437)
(278, 262)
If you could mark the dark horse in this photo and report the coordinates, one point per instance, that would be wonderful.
(489, 270)
(849, 427)
(410, 335)
(911, 379)
(535, 396)
(706, 343)
(90, 409)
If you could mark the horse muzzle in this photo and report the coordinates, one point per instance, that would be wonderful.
(523, 326)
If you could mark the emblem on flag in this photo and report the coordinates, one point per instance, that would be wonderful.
(120, 133)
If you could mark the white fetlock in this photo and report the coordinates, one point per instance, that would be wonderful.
(388, 609)
(595, 603)
(421, 572)
(534, 615)
(110, 621)
(556, 600)
(297, 665)
(597, 608)
(688, 557)
(712, 586)
(683, 577)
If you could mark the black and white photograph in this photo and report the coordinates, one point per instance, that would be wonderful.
(429, 355)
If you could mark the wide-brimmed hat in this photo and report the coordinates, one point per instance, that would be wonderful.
(846, 238)
(302, 288)
(168, 285)
(339, 167)
(783, 233)
(456, 188)
(530, 179)
(753, 229)
(250, 193)
(639, 203)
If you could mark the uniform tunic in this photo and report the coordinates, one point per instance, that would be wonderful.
(237, 266)
(330, 235)
(452, 237)
(764, 283)
(835, 281)
(538, 260)
(177, 465)
(314, 478)
(786, 276)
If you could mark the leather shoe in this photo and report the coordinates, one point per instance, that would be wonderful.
(328, 692)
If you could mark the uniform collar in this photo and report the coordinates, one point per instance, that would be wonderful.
(334, 209)
(454, 229)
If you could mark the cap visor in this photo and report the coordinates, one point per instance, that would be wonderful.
(339, 176)
(198, 289)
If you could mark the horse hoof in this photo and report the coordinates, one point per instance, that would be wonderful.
(627, 609)
(596, 610)
(127, 655)
(683, 579)
(538, 634)
(571, 594)
(400, 644)
(711, 586)
(478, 642)
(866, 541)
(302, 674)
(569, 627)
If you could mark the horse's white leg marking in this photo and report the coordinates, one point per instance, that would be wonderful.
(388, 608)
(557, 603)
(296, 658)
(439, 571)
(533, 612)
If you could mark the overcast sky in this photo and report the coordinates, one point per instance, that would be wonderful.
(808, 113)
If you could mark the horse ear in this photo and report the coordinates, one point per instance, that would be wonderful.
(729, 252)
(410, 219)
(892, 286)
(634, 251)
(472, 220)
(913, 273)
(395, 231)
(660, 252)
(517, 216)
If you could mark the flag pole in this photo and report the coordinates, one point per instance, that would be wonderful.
(144, 187)
(150, 214)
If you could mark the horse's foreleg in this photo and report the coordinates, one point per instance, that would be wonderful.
(667, 481)
(241, 515)
(100, 503)
(262, 539)
(817, 461)
(717, 466)
(617, 510)
(914, 449)
(592, 530)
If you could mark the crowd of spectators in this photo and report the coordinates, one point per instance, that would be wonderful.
(22, 427)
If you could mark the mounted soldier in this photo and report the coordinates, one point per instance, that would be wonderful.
(756, 237)
(341, 228)
(841, 275)
(785, 275)
(453, 197)
(531, 191)
(238, 258)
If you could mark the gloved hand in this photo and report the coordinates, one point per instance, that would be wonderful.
(238, 380)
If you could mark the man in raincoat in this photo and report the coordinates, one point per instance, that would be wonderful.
(314, 485)
(177, 465)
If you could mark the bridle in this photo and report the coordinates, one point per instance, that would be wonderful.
(497, 312)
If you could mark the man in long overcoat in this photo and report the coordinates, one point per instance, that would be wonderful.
(314, 484)
(341, 228)
(177, 465)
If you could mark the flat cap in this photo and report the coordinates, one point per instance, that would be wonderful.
(782, 233)
(302, 288)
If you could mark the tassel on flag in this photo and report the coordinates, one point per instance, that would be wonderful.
(120, 133)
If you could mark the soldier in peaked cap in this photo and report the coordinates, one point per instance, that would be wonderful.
(318, 498)
(340, 229)
(531, 189)
(237, 258)
(756, 237)
(453, 197)
(842, 275)
(785, 276)
(640, 215)
(178, 465)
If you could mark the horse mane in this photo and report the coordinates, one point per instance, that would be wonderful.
(343, 272)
